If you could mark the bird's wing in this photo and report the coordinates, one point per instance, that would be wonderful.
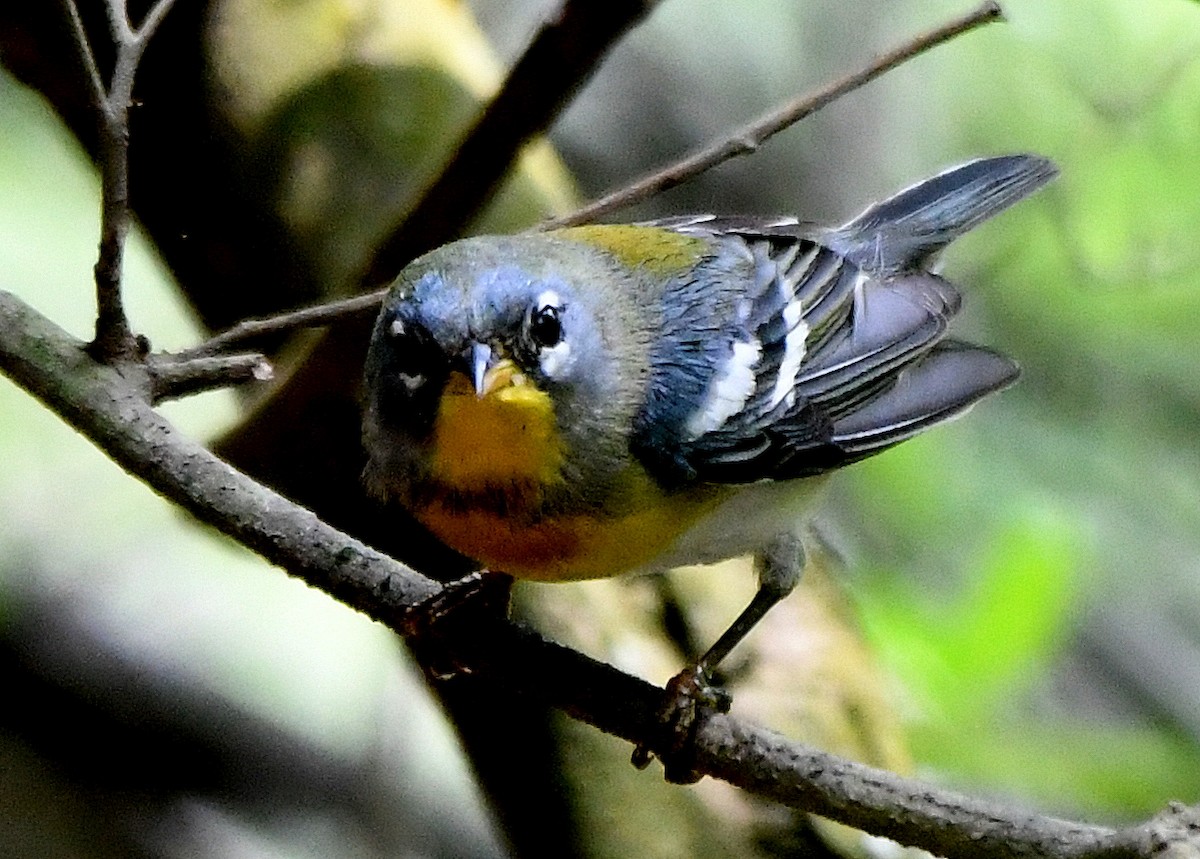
(817, 365)
(797, 350)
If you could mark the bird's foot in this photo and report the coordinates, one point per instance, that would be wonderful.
(469, 604)
(690, 697)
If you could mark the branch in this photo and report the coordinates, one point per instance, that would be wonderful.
(114, 340)
(249, 330)
(111, 407)
(172, 377)
(747, 139)
(95, 81)
(557, 62)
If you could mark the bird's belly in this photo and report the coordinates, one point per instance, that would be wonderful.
(565, 547)
(746, 521)
(694, 528)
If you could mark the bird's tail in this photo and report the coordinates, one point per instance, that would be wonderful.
(904, 231)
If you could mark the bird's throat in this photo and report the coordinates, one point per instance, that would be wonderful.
(506, 437)
(497, 459)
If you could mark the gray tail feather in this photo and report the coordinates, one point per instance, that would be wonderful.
(943, 384)
(904, 231)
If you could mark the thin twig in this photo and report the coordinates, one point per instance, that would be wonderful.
(110, 408)
(560, 58)
(114, 340)
(748, 138)
(172, 378)
(118, 22)
(95, 80)
(153, 18)
(317, 315)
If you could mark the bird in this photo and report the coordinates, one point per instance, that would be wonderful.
(612, 399)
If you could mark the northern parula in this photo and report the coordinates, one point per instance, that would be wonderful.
(596, 400)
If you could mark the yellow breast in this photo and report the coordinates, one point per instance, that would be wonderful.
(498, 456)
(509, 435)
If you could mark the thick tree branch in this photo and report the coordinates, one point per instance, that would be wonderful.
(557, 62)
(110, 406)
(748, 138)
(559, 59)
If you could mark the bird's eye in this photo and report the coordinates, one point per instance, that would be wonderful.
(545, 327)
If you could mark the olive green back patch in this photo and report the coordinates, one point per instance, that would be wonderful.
(657, 250)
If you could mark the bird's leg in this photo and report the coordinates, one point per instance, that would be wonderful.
(779, 568)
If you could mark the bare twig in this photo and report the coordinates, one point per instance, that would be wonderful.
(114, 340)
(562, 55)
(249, 330)
(560, 58)
(172, 378)
(118, 22)
(749, 137)
(153, 18)
(110, 407)
(99, 96)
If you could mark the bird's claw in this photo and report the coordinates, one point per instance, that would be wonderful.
(481, 591)
(690, 697)
(465, 603)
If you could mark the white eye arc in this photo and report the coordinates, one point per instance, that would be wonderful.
(556, 360)
(545, 333)
(411, 381)
(397, 329)
(545, 327)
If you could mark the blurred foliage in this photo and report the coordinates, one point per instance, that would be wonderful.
(1092, 461)
(349, 108)
(1030, 576)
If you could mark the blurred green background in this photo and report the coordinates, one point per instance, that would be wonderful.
(1029, 577)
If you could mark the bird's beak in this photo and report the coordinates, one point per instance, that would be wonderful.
(489, 371)
(481, 362)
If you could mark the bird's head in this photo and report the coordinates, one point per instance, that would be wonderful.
(491, 360)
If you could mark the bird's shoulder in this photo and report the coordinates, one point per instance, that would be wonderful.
(734, 334)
